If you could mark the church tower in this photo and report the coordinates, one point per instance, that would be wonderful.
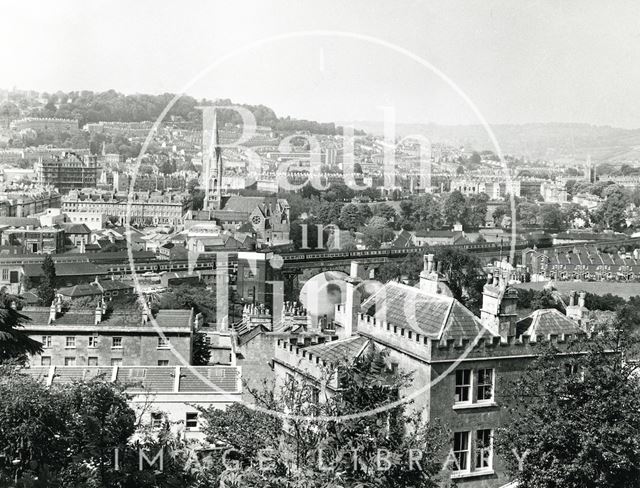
(211, 155)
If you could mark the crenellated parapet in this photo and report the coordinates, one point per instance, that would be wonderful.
(500, 347)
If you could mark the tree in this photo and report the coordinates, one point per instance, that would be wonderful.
(612, 211)
(552, 218)
(477, 213)
(311, 450)
(47, 286)
(464, 274)
(351, 217)
(454, 209)
(15, 344)
(581, 419)
(385, 210)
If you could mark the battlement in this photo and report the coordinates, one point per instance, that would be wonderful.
(304, 361)
(486, 347)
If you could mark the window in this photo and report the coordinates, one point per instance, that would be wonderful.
(69, 361)
(484, 449)
(163, 343)
(5, 274)
(163, 362)
(93, 341)
(463, 386)
(46, 341)
(461, 451)
(92, 361)
(116, 361)
(191, 420)
(70, 341)
(45, 361)
(116, 342)
(485, 385)
(156, 420)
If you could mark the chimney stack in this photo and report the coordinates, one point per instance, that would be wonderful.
(429, 276)
(352, 299)
(581, 299)
(98, 314)
(52, 312)
(572, 298)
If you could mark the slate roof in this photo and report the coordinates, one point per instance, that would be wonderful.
(39, 316)
(66, 269)
(547, 321)
(71, 228)
(338, 351)
(82, 290)
(218, 379)
(237, 203)
(434, 316)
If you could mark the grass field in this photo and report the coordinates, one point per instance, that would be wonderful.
(624, 290)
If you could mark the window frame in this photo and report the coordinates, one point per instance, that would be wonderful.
(480, 450)
(113, 342)
(92, 341)
(46, 341)
(45, 359)
(67, 342)
(70, 359)
(156, 420)
(491, 385)
(164, 343)
(468, 387)
(188, 421)
(459, 453)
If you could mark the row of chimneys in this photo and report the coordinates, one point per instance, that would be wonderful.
(56, 308)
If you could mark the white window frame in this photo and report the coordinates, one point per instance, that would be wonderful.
(70, 342)
(479, 454)
(491, 385)
(93, 341)
(46, 341)
(164, 343)
(75, 361)
(113, 342)
(468, 386)
(42, 360)
(457, 453)
(165, 362)
(116, 362)
(93, 357)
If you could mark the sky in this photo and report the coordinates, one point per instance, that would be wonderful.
(516, 62)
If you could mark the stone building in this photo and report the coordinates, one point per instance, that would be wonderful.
(98, 337)
(460, 362)
(159, 394)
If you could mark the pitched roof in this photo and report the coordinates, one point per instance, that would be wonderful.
(71, 228)
(341, 350)
(547, 321)
(193, 379)
(66, 269)
(82, 290)
(434, 316)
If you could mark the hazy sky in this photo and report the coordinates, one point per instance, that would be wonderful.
(518, 61)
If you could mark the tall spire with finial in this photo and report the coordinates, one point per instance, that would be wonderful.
(211, 152)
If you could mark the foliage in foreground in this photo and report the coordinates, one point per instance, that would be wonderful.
(576, 422)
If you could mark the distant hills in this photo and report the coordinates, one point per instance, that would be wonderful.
(536, 141)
